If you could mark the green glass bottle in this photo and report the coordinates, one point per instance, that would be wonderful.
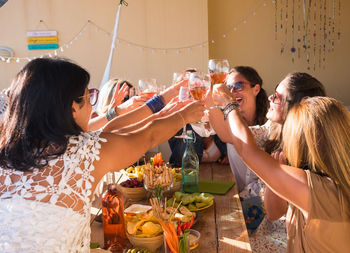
(190, 166)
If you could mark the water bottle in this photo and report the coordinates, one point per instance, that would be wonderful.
(190, 166)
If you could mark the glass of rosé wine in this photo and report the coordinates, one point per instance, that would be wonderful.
(148, 87)
(218, 70)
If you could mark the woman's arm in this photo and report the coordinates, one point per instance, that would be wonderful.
(121, 150)
(170, 108)
(287, 182)
(133, 116)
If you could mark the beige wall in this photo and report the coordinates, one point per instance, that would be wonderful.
(154, 23)
(254, 44)
(167, 23)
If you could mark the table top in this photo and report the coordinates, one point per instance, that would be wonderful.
(222, 225)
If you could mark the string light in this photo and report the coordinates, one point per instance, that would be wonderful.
(142, 48)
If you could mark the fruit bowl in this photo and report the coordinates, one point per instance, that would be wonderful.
(132, 189)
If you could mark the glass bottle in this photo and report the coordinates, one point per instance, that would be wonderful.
(113, 219)
(190, 166)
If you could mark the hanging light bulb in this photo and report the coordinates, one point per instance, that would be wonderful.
(244, 21)
(62, 49)
(17, 60)
(235, 28)
(212, 41)
(8, 60)
(50, 55)
(55, 53)
(224, 36)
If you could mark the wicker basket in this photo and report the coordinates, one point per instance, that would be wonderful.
(135, 194)
(151, 243)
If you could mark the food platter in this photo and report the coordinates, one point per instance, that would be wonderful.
(194, 202)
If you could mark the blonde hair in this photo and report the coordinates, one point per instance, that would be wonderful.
(316, 136)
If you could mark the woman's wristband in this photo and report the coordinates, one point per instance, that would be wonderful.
(111, 114)
(156, 103)
(229, 108)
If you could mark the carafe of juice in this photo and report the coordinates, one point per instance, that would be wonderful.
(113, 219)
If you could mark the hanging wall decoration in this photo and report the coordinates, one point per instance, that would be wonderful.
(42, 40)
(308, 29)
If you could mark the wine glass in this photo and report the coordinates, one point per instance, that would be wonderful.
(184, 95)
(198, 85)
(218, 70)
(148, 87)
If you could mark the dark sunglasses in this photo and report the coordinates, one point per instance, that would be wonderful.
(276, 98)
(238, 86)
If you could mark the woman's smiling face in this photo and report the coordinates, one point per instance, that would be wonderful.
(244, 91)
(278, 102)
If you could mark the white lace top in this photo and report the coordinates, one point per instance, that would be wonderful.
(247, 182)
(48, 210)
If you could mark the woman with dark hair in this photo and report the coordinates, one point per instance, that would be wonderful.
(246, 84)
(50, 164)
(292, 89)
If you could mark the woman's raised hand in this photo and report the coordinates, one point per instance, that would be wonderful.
(119, 94)
(173, 106)
(131, 104)
(192, 112)
(221, 95)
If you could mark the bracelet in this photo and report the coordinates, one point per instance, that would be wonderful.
(229, 108)
(111, 114)
(183, 120)
(156, 103)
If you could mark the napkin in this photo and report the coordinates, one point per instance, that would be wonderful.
(215, 186)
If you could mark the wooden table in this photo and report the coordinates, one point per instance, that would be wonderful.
(222, 226)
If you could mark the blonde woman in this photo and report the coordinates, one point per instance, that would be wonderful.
(316, 143)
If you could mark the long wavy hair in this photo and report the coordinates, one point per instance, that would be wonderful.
(106, 94)
(262, 102)
(300, 85)
(38, 121)
(316, 135)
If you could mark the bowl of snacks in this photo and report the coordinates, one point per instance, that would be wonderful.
(157, 176)
(132, 189)
(144, 231)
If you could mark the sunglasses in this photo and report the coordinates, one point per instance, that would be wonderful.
(238, 86)
(276, 98)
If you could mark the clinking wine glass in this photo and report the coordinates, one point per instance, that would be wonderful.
(184, 94)
(198, 85)
(218, 70)
(148, 87)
